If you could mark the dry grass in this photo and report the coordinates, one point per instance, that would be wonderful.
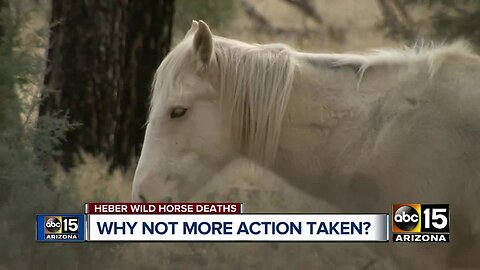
(93, 182)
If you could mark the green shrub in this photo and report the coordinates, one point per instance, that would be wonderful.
(26, 143)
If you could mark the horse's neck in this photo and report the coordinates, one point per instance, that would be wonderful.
(325, 126)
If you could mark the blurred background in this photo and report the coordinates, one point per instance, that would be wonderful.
(74, 92)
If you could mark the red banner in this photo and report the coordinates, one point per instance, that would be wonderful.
(163, 208)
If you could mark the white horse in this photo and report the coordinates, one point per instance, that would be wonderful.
(361, 131)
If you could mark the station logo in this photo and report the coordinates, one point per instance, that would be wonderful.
(61, 228)
(53, 225)
(421, 222)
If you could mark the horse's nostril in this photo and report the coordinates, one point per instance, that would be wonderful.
(142, 198)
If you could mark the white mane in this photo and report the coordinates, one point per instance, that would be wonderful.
(255, 86)
(175, 63)
(434, 54)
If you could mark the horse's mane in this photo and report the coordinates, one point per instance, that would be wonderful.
(433, 53)
(255, 86)
(167, 74)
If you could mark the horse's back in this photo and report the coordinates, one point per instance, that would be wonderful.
(424, 133)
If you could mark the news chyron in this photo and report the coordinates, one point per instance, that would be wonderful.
(60, 228)
(421, 223)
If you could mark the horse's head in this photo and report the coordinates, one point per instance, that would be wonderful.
(213, 99)
(184, 141)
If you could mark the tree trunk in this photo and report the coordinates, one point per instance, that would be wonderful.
(148, 41)
(102, 57)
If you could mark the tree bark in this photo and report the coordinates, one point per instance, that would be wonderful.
(102, 58)
(148, 41)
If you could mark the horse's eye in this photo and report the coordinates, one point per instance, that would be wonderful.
(178, 112)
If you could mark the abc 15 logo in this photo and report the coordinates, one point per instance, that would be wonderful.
(420, 218)
(58, 224)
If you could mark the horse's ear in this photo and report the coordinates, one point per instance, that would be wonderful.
(203, 43)
(192, 29)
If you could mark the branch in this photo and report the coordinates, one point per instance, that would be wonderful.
(391, 21)
(307, 8)
(260, 21)
(458, 9)
(403, 12)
